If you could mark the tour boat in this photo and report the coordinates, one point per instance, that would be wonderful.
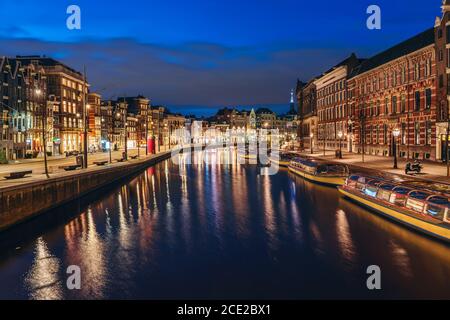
(419, 205)
(319, 171)
(284, 158)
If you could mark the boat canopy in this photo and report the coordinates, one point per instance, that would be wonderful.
(402, 190)
(419, 195)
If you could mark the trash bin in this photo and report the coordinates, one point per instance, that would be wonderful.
(79, 160)
(338, 154)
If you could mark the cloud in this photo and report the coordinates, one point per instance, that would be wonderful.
(13, 31)
(189, 74)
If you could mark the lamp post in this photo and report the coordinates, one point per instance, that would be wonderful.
(85, 111)
(146, 133)
(350, 131)
(44, 136)
(362, 118)
(340, 135)
(396, 134)
(78, 115)
(138, 139)
(311, 136)
(324, 132)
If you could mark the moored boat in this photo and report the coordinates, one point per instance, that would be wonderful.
(417, 205)
(329, 173)
(283, 159)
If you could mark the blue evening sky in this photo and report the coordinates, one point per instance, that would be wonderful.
(207, 53)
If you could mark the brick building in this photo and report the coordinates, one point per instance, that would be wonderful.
(69, 88)
(396, 89)
(442, 40)
(35, 81)
(94, 121)
(404, 89)
(332, 106)
(12, 110)
(307, 102)
(139, 106)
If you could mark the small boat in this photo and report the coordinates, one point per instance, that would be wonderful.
(334, 174)
(284, 158)
(417, 205)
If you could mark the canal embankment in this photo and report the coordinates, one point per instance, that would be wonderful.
(27, 198)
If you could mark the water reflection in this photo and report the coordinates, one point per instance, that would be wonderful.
(221, 231)
(345, 238)
(43, 281)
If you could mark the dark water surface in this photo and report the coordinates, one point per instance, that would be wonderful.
(218, 231)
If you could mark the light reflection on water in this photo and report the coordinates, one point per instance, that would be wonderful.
(219, 231)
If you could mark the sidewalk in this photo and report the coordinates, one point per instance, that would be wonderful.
(431, 170)
(54, 164)
(38, 159)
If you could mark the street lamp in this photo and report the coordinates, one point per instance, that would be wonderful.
(350, 134)
(311, 142)
(340, 135)
(362, 119)
(44, 139)
(78, 115)
(395, 133)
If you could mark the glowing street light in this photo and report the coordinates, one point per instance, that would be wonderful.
(396, 134)
(44, 121)
(340, 135)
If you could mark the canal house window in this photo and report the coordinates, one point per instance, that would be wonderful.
(417, 133)
(448, 58)
(428, 68)
(417, 104)
(394, 104)
(428, 133)
(385, 133)
(403, 104)
(386, 106)
(403, 133)
(448, 34)
(416, 71)
(428, 98)
(377, 136)
(378, 107)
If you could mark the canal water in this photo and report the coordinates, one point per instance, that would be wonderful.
(194, 231)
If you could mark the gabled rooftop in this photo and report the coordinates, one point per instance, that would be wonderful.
(406, 47)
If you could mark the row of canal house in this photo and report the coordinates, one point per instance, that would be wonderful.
(359, 103)
(37, 90)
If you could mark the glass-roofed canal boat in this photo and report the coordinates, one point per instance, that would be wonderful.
(329, 173)
(283, 159)
(420, 205)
